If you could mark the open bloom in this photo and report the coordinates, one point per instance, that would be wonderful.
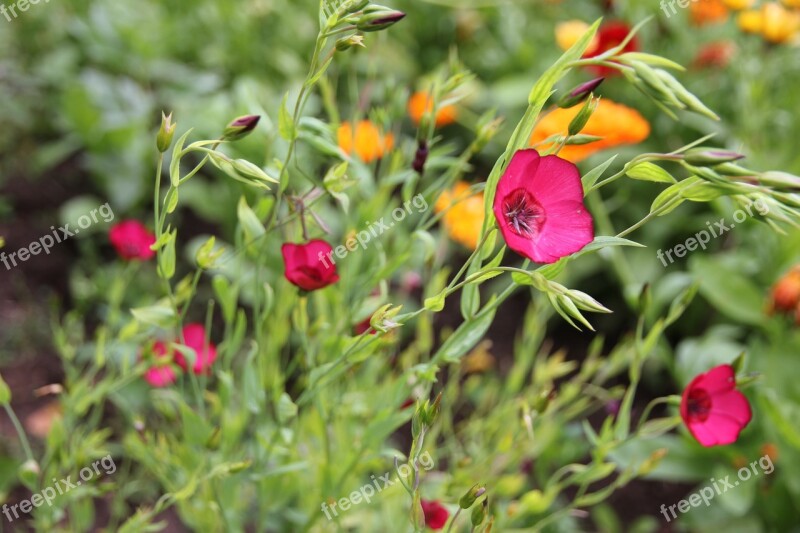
(713, 410)
(774, 22)
(310, 265)
(365, 140)
(615, 123)
(610, 35)
(539, 207)
(464, 220)
(568, 33)
(435, 514)
(194, 336)
(132, 240)
(160, 375)
(421, 103)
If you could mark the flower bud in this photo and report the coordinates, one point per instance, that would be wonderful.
(579, 93)
(357, 5)
(240, 127)
(206, 256)
(346, 43)
(165, 133)
(471, 495)
(29, 473)
(479, 513)
(420, 157)
(5, 392)
(703, 157)
(376, 18)
(580, 120)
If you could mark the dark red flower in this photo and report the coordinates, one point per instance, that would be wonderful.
(610, 35)
(435, 514)
(713, 410)
(132, 240)
(310, 265)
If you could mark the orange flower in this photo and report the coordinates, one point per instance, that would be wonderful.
(786, 292)
(421, 103)
(738, 5)
(616, 123)
(464, 220)
(367, 141)
(705, 12)
(779, 25)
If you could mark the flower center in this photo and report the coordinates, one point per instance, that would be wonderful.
(523, 213)
(699, 404)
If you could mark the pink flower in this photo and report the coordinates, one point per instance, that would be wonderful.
(309, 265)
(435, 514)
(162, 373)
(132, 240)
(713, 410)
(539, 207)
(194, 336)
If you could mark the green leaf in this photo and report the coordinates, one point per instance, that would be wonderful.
(465, 337)
(156, 315)
(251, 225)
(286, 126)
(591, 177)
(286, 409)
(729, 291)
(175, 164)
(5, 392)
(649, 172)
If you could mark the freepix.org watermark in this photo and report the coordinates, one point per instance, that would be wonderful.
(374, 230)
(717, 487)
(702, 238)
(683, 4)
(21, 5)
(58, 236)
(379, 484)
(60, 487)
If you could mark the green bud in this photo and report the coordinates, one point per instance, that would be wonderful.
(479, 513)
(29, 473)
(240, 127)
(206, 256)
(471, 496)
(5, 392)
(580, 120)
(376, 18)
(165, 133)
(417, 517)
(346, 43)
(772, 178)
(433, 411)
(703, 157)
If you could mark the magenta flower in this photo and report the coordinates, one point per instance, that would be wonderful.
(132, 240)
(310, 266)
(194, 336)
(539, 207)
(713, 410)
(160, 375)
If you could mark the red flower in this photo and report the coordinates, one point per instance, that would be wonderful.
(435, 514)
(610, 35)
(539, 207)
(713, 410)
(132, 240)
(309, 266)
(194, 336)
(160, 375)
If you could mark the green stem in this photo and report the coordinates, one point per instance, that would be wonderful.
(23, 438)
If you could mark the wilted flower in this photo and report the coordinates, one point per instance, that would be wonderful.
(366, 141)
(464, 220)
(611, 35)
(309, 266)
(713, 410)
(132, 240)
(539, 207)
(194, 336)
(568, 33)
(421, 103)
(615, 123)
(436, 514)
(703, 12)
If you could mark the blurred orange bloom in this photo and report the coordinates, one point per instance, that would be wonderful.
(791, 3)
(785, 294)
(464, 220)
(421, 103)
(773, 21)
(568, 33)
(367, 141)
(616, 123)
(704, 12)
(738, 5)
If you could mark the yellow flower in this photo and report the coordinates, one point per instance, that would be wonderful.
(367, 141)
(738, 5)
(568, 33)
(773, 21)
(464, 220)
(615, 123)
(791, 3)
